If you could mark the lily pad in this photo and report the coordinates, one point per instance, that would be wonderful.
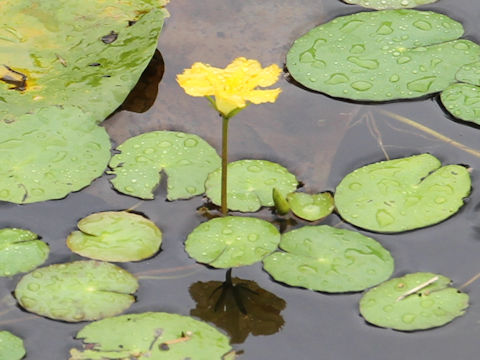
(469, 74)
(44, 158)
(115, 236)
(389, 4)
(186, 159)
(232, 241)
(324, 258)
(311, 207)
(20, 251)
(462, 101)
(382, 55)
(152, 336)
(85, 53)
(11, 346)
(434, 305)
(402, 194)
(250, 184)
(77, 291)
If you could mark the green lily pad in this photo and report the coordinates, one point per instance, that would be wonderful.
(186, 159)
(151, 336)
(20, 251)
(431, 306)
(115, 236)
(402, 194)
(232, 241)
(382, 55)
(324, 258)
(462, 101)
(469, 74)
(84, 53)
(43, 158)
(389, 4)
(77, 291)
(11, 346)
(311, 207)
(250, 184)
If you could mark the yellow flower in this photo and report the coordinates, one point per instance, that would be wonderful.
(233, 86)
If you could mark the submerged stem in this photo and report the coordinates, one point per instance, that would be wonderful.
(224, 163)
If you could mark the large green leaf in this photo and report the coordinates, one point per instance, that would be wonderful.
(389, 4)
(328, 259)
(151, 336)
(20, 251)
(86, 53)
(77, 291)
(250, 184)
(232, 241)
(413, 302)
(186, 159)
(11, 346)
(402, 194)
(115, 236)
(381, 55)
(50, 153)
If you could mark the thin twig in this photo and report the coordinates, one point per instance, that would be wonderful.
(418, 288)
(473, 279)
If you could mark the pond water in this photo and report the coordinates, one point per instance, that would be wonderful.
(318, 138)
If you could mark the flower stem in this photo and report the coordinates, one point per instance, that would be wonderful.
(224, 163)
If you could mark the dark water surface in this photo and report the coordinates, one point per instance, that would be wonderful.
(318, 138)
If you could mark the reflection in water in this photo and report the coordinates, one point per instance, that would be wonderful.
(143, 95)
(240, 307)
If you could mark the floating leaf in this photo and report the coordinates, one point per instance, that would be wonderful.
(151, 336)
(77, 291)
(20, 251)
(186, 158)
(311, 207)
(232, 241)
(115, 236)
(11, 346)
(381, 55)
(250, 184)
(259, 313)
(86, 53)
(43, 158)
(431, 306)
(389, 4)
(469, 74)
(462, 101)
(402, 194)
(328, 259)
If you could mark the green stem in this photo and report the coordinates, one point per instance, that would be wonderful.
(224, 163)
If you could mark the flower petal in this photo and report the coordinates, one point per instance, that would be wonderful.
(200, 80)
(262, 96)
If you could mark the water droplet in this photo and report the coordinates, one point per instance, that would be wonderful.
(394, 78)
(252, 237)
(254, 168)
(319, 43)
(141, 159)
(385, 28)
(369, 64)
(440, 200)
(461, 46)
(191, 189)
(28, 301)
(306, 57)
(422, 25)
(184, 162)
(361, 85)
(403, 60)
(164, 144)
(319, 64)
(307, 269)
(337, 78)
(371, 272)
(148, 151)
(4, 193)
(357, 49)
(421, 85)
(37, 275)
(388, 308)
(355, 186)
(129, 189)
(227, 231)
(384, 218)
(408, 318)
(427, 303)
(33, 287)
(190, 142)
(412, 200)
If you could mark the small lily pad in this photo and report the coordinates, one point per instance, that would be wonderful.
(11, 346)
(186, 159)
(389, 4)
(151, 336)
(20, 251)
(115, 236)
(311, 207)
(77, 291)
(232, 241)
(469, 74)
(462, 101)
(324, 258)
(382, 55)
(250, 184)
(431, 306)
(44, 158)
(402, 194)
